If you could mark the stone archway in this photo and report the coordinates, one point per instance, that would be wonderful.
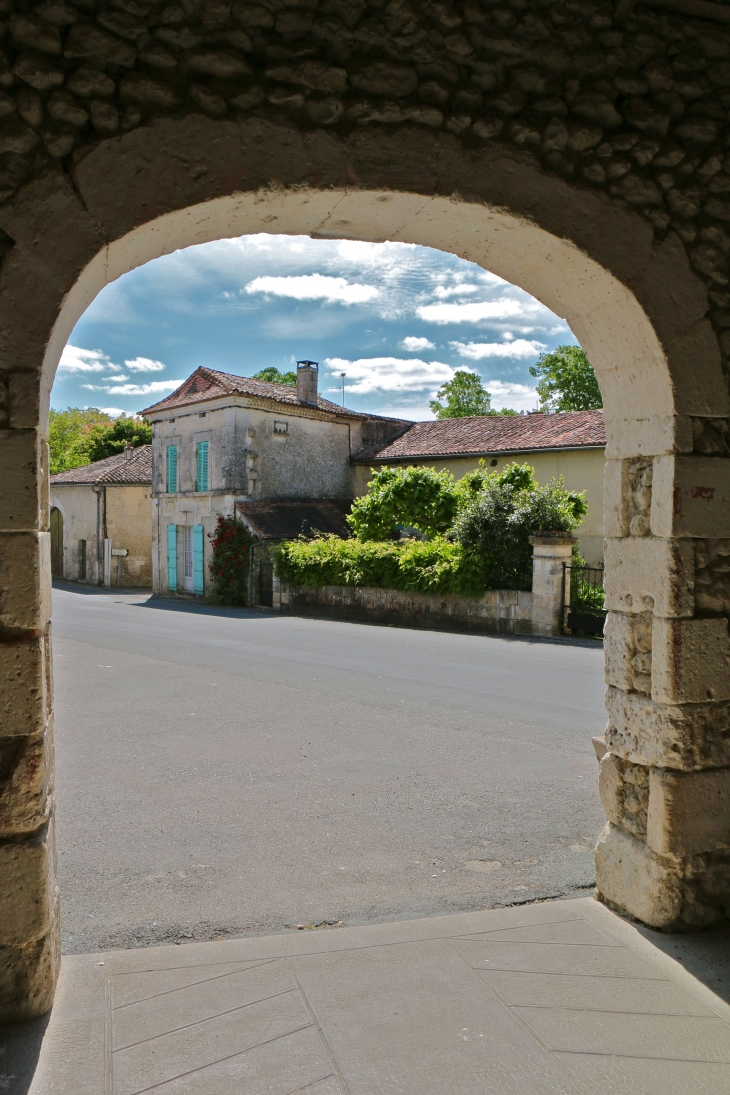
(523, 199)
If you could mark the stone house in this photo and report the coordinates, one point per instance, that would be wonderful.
(101, 531)
(222, 439)
(570, 444)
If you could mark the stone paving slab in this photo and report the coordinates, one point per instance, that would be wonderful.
(559, 998)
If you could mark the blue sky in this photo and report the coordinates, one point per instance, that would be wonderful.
(397, 319)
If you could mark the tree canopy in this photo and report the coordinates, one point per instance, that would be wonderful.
(566, 381)
(464, 396)
(272, 376)
(81, 435)
(416, 498)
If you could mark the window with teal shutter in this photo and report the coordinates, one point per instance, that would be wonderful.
(172, 469)
(198, 558)
(201, 466)
(172, 556)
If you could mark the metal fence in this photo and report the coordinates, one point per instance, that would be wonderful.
(583, 600)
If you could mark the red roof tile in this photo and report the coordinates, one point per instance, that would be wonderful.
(210, 384)
(486, 435)
(113, 469)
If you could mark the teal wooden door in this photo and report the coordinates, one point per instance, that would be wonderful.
(198, 559)
(172, 556)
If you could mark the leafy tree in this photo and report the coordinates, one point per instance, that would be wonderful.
(272, 376)
(499, 519)
(420, 498)
(107, 439)
(464, 396)
(566, 381)
(68, 435)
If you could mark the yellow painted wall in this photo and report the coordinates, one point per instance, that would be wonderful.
(582, 470)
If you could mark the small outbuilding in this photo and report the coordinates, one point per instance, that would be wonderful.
(101, 521)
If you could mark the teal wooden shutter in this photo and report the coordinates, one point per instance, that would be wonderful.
(201, 470)
(172, 470)
(172, 556)
(198, 557)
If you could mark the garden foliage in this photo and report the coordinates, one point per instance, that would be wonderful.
(229, 563)
(419, 498)
(484, 545)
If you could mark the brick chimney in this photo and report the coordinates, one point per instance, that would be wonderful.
(307, 374)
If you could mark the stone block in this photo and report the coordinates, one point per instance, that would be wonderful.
(631, 876)
(599, 747)
(689, 812)
(21, 461)
(26, 784)
(28, 975)
(667, 736)
(27, 888)
(25, 580)
(611, 787)
(691, 496)
(618, 650)
(648, 572)
(24, 699)
(690, 660)
(615, 494)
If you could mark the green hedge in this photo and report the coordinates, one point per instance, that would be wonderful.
(434, 566)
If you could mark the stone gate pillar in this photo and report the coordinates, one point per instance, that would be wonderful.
(29, 936)
(664, 855)
(550, 552)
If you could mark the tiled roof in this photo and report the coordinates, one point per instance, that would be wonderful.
(486, 435)
(113, 469)
(210, 384)
(285, 520)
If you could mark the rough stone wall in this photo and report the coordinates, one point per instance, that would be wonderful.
(601, 136)
(637, 108)
(501, 611)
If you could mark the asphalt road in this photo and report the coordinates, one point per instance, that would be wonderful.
(225, 772)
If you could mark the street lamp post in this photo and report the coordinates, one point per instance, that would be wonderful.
(343, 375)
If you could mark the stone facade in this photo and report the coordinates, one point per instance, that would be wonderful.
(262, 442)
(580, 155)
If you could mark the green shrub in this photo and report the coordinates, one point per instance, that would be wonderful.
(229, 562)
(419, 498)
(434, 566)
(498, 520)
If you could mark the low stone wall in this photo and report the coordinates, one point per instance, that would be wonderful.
(505, 611)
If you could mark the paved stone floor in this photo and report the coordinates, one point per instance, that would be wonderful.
(557, 997)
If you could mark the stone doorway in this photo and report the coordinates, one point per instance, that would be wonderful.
(56, 543)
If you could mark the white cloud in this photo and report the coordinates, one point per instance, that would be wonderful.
(414, 343)
(511, 347)
(122, 376)
(135, 389)
(113, 412)
(74, 359)
(505, 308)
(390, 374)
(144, 389)
(314, 287)
(144, 365)
(444, 292)
(520, 397)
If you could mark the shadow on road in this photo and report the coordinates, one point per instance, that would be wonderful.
(20, 1047)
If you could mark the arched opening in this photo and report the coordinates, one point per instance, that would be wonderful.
(56, 542)
(637, 311)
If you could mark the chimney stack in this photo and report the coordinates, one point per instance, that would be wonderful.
(128, 451)
(307, 374)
